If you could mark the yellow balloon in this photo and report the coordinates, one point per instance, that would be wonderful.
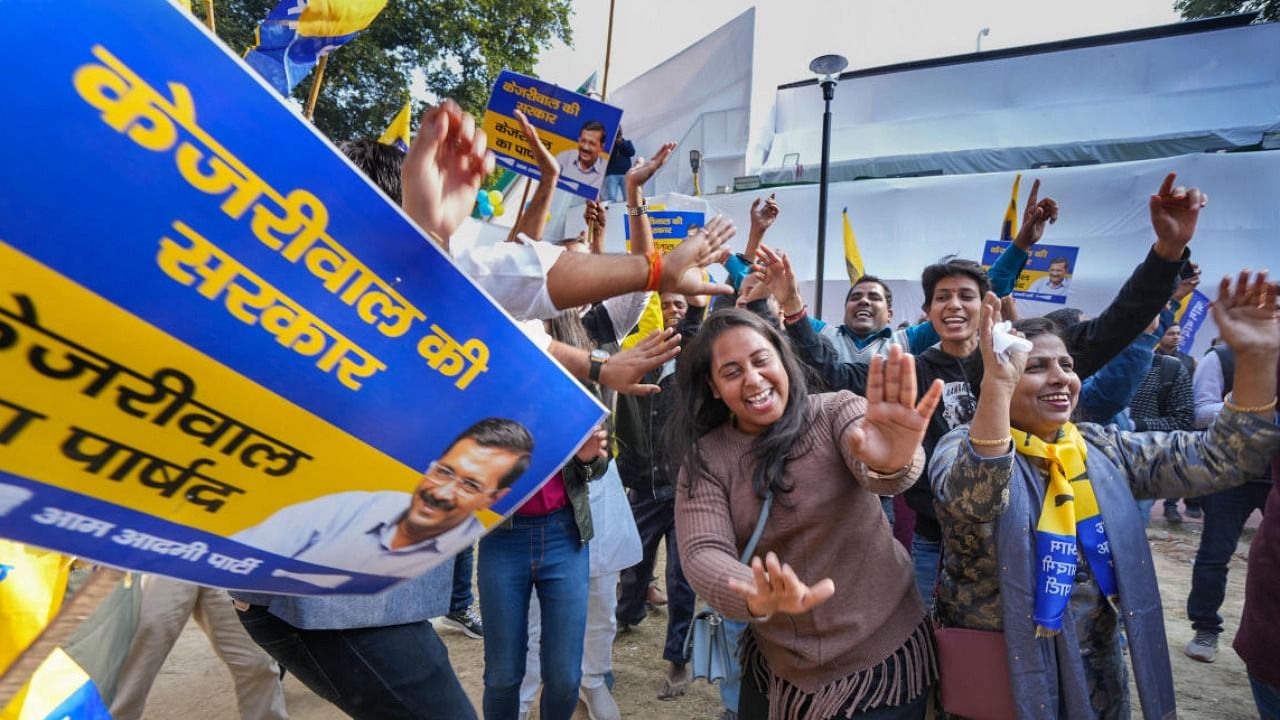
(495, 198)
(498, 210)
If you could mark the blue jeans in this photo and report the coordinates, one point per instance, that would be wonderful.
(1144, 510)
(925, 555)
(543, 554)
(460, 600)
(731, 685)
(1225, 513)
(378, 673)
(1267, 698)
(614, 188)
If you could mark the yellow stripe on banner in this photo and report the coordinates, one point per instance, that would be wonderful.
(339, 461)
(506, 137)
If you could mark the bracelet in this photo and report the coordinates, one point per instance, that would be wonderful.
(1230, 403)
(638, 210)
(895, 475)
(797, 316)
(990, 443)
(655, 271)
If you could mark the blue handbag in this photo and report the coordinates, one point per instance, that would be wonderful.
(706, 647)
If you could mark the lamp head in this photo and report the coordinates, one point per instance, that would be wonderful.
(828, 66)
(695, 159)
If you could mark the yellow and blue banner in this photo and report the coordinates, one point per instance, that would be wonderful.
(227, 324)
(578, 130)
(852, 256)
(58, 690)
(1190, 315)
(1046, 277)
(670, 227)
(297, 33)
(397, 133)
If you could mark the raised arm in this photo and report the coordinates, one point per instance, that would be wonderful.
(443, 170)
(1174, 212)
(1240, 442)
(636, 177)
(533, 221)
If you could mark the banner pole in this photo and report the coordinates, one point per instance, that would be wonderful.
(608, 51)
(213, 25)
(315, 88)
(511, 236)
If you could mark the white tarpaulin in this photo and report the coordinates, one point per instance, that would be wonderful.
(904, 224)
(1111, 102)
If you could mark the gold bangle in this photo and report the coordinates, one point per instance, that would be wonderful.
(1230, 404)
(990, 443)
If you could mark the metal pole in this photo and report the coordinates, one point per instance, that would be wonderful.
(828, 93)
(608, 51)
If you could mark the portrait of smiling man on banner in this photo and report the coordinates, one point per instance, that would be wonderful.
(401, 534)
(585, 164)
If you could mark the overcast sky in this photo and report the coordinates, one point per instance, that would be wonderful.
(869, 33)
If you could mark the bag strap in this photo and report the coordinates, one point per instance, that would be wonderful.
(755, 535)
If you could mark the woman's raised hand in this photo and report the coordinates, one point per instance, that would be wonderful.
(1246, 315)
(776, 589)
(890, 433)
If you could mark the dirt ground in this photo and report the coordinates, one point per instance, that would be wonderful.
(193, 683)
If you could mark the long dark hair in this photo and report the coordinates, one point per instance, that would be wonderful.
(696, 412)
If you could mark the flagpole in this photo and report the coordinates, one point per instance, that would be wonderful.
(315, 88)
(528, 183)
(608, 51)
(208, 6)
(73, 612)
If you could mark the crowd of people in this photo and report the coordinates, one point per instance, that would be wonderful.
(1029, 451)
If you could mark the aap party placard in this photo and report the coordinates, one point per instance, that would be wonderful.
(578, 130)
(226, 357)
(1047, 274)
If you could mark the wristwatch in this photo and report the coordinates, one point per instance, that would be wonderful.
(598, 359)
(638, 210)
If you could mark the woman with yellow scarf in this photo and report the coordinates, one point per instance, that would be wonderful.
(1043, 541)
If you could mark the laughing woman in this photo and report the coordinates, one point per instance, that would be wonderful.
(1043, 541)
(838, 631)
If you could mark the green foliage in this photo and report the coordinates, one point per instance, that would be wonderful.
(460, 46)
(1270, 9)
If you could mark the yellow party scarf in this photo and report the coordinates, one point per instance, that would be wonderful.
(1070, 520)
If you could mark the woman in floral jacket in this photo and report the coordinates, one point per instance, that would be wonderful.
(1042, 538)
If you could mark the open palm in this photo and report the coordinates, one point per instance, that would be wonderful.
(1246, 314)
(895, 423)
(443, 170)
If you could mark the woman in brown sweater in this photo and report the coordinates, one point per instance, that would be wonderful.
(838, 630)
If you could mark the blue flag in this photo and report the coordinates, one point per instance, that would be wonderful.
(297, 33)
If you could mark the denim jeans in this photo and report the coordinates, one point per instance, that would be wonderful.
(374, 673)
(1225, 513)
(461, 599)
(1144, 511)
(614, 188)
(925, 555)
(731, 685)
(1267, 698)
(542, 554)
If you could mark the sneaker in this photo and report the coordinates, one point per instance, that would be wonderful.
(1194, 512)
(1171, 514)
(468, 621)
(1203, 647)
(600, 703)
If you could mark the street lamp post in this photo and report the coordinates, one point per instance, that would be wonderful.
(828, 68)
(695, 163)
(981, 34)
